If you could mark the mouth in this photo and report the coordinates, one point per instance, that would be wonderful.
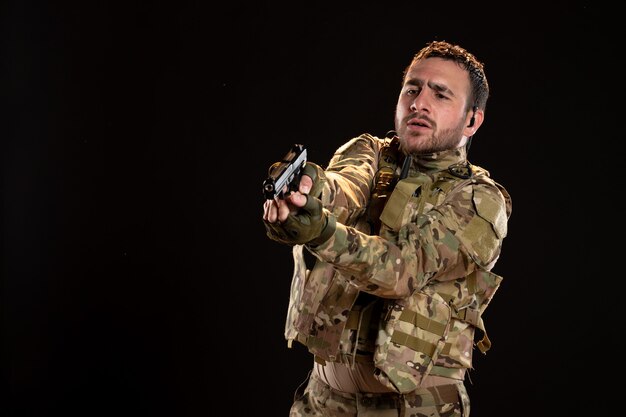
(418, 123)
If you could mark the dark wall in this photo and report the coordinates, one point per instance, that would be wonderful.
(137, 278)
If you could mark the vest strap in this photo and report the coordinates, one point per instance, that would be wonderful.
(454, 373)
(414, 343)
(423, 322)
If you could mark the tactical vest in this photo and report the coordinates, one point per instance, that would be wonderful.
(430, 332)
(416, 331)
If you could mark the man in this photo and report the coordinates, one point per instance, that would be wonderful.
(405, 232)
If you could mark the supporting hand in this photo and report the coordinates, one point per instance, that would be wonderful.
(309, 224)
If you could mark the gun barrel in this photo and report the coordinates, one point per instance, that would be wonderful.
(285, 172)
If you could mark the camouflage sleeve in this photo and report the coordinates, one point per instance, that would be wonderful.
(347, 180)
(447, 242)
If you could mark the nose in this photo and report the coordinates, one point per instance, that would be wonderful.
(419, 102)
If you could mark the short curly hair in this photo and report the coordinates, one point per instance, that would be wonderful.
(478, 81)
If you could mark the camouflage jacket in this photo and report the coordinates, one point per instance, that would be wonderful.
(429, 265)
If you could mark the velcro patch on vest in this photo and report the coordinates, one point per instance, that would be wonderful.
(491, 208)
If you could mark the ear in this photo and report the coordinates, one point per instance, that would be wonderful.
(471, 128)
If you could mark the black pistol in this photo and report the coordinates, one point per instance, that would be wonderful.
(285, 173)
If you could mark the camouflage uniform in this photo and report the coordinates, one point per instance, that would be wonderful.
(429, 267)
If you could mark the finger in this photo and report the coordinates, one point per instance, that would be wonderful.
(270, 212)
(265, 209)
(305, 184)
(297, 199)
(312, 206)
(283, 210)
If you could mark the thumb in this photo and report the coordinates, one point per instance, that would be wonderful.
(298, 200)
(305, 184)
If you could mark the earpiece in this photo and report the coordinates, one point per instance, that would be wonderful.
(471, 123)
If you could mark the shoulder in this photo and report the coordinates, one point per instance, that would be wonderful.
(481, 210)
(491, 201)
(492, 190)
(362, 143)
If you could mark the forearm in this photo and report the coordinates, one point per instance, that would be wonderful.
(347, 181)
(395, 269)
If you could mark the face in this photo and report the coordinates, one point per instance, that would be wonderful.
(431, 114)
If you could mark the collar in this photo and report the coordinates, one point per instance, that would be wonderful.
(438, 161)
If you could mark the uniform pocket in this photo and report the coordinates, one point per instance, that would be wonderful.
(412, 338)
(403, 201)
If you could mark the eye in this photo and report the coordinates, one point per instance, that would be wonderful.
(411, 91)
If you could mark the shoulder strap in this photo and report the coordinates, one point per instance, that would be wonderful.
(385, 180)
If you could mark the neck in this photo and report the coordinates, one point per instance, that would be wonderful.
(438, 161)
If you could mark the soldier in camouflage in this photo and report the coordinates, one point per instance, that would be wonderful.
(405, 232)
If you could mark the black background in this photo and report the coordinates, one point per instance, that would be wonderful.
(136, 275)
